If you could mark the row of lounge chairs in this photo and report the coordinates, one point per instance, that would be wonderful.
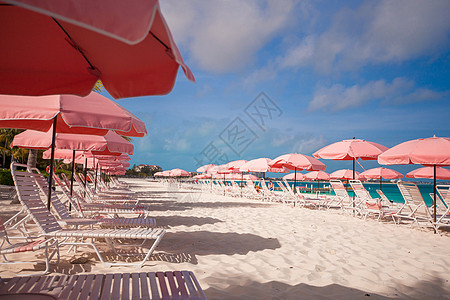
(414, 210)
(94, 224)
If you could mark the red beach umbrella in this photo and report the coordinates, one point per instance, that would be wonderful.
(433, 151)
(64, 47)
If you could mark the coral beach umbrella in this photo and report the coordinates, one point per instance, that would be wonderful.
(93, 114)
(179, 173)
(345, 174)
(317, 175)
(433, 151)
(380, 173)
(261, 165)
(297, 162)
(205, 168)
(109, 143)
(294, 176)
(428, 172)
(64, 47)
(351, 150)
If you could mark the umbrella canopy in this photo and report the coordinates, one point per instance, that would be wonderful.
(205, 168)
(344, 174)
(317, 175)
(294, 176)
(158, 174)
(381, 172)
(428, 172)
(111, 142)
(351, 149)
(296, 161)
(178, 173)
(202, 176)
(93, 114)
(427, 152)
(65, 47)
(260, 165)
(234, 166)
(433, 151)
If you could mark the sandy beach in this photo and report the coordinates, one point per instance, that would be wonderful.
(245, 249)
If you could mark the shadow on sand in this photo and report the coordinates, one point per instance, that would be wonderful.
(279, 290)
(209, 243)
(172, 221)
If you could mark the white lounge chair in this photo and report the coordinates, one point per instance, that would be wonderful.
(28, 244)
(28, 195)
(414, 209)
(344, 200)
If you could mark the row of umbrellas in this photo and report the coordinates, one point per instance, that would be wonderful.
(52, 55)
(433, 153)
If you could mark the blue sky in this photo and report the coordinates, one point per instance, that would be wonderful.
(328, 70)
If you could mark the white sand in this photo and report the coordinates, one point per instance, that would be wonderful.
(245, 249)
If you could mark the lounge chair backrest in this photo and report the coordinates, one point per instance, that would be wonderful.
(413, 198)
(339, 189)
(56, 203)
(3, 233)
(383, 196)
(28, 194)
(360, 190)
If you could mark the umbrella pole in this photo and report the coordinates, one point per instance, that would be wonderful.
(52, 157)
(85, 173)
(71, 178)
(353, 193)
(381, 181)
(242, 182)
(96, 169)
(434, 198)
(295, 179)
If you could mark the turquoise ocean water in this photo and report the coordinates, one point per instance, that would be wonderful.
(389, 189)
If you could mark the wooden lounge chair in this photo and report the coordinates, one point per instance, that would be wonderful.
(148, 285)
(28, 195)
(7, 247)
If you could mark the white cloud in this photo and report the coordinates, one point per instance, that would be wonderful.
(224, 36)
(375, 32)
(400, 90)
(309, 145)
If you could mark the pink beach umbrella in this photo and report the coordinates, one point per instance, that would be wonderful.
(294, 176)
(428, 172)
(260, 165)
(93, 114)
(179, 173)
(351, 150)
(433, 151)
(345, 174)
(381, 172)
(205, 168)
(128, 46)
(297, 162)
(317, 175)
(109, 143)
(202, 176)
